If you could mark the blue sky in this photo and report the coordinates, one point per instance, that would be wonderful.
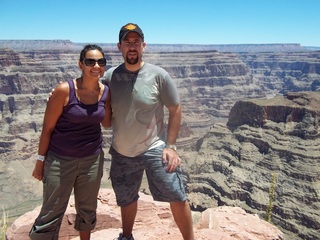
(165, 21)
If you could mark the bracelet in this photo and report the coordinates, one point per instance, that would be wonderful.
(41, 158)
(172, 146)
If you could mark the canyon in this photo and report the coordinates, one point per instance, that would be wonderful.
(250, 125)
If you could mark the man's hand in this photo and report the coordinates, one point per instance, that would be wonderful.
(171, 158)
(52, 91)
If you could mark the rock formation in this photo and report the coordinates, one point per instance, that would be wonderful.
(231, 140)
(271, 139)
(154, 221)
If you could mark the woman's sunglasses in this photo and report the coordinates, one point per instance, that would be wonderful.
(90, 62)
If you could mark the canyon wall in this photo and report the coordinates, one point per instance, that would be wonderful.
(231, 140)
(266, 145)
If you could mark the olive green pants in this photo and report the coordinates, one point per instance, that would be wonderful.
(61, 176)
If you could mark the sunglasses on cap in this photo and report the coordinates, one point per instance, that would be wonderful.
(90, 62)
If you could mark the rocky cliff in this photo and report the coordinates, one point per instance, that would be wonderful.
(231, 140)
(154, 221)
(266, 144)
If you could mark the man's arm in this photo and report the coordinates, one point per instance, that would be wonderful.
(173, 124)
(170, 155)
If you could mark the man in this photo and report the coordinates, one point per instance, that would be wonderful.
(139, 93)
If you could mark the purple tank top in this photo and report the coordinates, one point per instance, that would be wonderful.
(78, 131)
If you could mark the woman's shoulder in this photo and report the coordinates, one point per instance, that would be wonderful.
(62, 90)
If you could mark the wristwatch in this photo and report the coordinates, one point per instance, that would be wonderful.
(41, 158)
(172, 146)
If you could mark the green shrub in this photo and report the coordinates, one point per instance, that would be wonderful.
(271, 196)
(3, 225)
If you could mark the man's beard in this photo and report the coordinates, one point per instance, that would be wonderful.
(132, 61)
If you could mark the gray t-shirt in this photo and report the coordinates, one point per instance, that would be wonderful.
(137, 101)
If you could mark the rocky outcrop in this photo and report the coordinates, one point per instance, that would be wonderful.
(271, 144)
(154, 221)
(301, 108)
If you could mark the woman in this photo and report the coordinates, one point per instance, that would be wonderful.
(70, 149)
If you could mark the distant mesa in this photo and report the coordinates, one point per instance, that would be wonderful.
(26, 45)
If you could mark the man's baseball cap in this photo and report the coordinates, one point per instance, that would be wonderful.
(130, 27)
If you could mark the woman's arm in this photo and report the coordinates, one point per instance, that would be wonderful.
(53, 111)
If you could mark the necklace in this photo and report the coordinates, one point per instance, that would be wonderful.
(92, 92)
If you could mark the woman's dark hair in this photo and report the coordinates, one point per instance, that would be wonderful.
(87, 48)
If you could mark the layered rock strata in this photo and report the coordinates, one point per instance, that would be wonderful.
(209, 82)
(270, 144)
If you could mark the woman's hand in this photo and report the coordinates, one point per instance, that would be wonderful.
(38, 170)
